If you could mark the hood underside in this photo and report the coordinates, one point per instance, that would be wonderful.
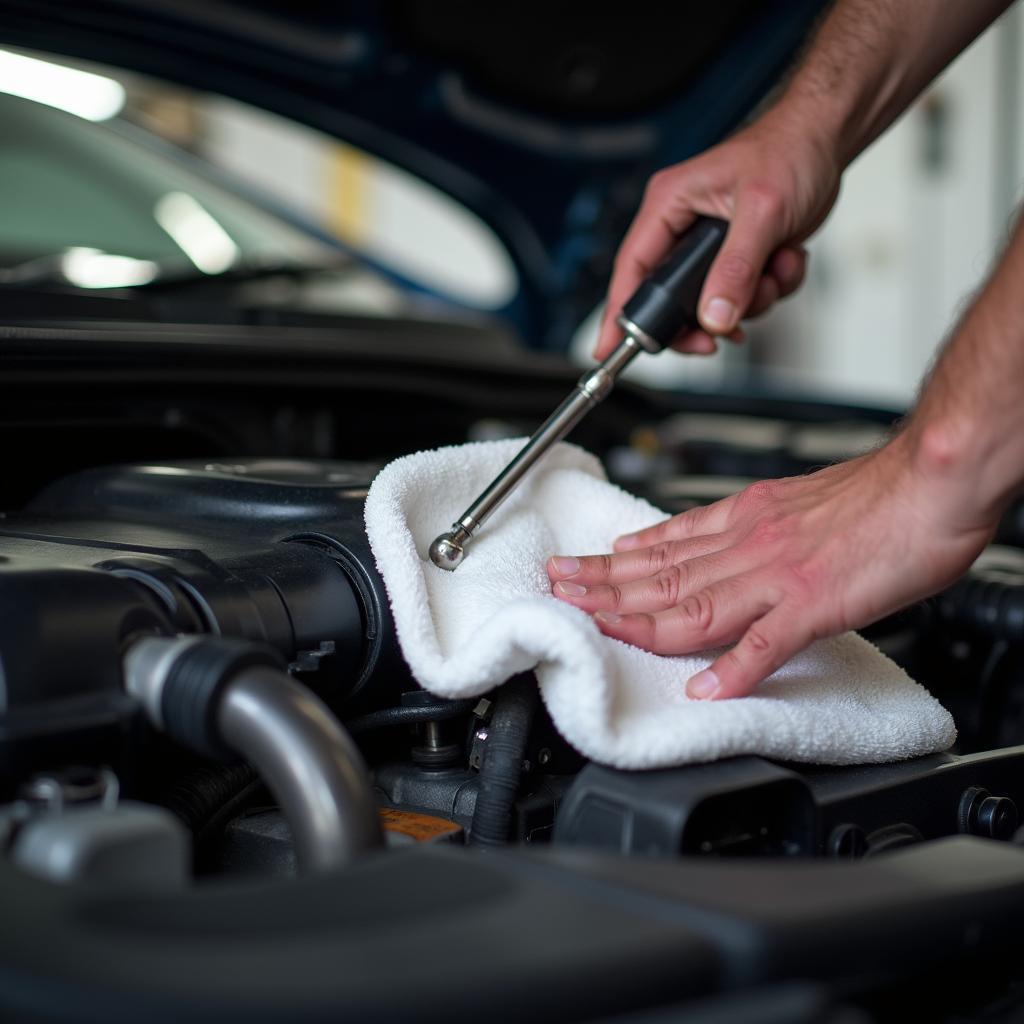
(546, 121)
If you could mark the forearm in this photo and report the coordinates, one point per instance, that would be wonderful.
(966, 435)
(870, 59)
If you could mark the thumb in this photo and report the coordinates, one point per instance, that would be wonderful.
(754, 234)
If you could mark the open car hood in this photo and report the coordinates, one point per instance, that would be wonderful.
(545, 120)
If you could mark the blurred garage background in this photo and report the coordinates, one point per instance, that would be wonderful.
(919, 219)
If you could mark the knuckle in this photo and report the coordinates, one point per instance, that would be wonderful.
(698, 612)
(615, 595)
(659, 182)
(669, 585)
(657, 558)
(760, 494)
(737, 268)
(764, 489)
(803, 580)
(763, 199)
(758, 642)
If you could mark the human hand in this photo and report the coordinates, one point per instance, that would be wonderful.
(779, 565)
(774, 182)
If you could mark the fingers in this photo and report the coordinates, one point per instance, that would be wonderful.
(629, 565)
(789, 267)
(729, 610)
(656, 593)
(696, 343)
(732, 283)
(766, 645)
(709, 617)
(765, 297)
(696, 522)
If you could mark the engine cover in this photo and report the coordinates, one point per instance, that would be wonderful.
(269, 551)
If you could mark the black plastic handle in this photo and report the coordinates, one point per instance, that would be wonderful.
(665, 305)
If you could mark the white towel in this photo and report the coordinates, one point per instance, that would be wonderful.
(464, 633)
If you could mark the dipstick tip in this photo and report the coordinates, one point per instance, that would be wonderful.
(446, 553)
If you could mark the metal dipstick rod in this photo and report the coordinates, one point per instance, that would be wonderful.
(662, 307)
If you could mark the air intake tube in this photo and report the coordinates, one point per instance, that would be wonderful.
(228, 698)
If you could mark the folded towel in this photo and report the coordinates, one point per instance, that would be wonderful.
(464, 633)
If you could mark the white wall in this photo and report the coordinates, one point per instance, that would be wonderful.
(390, 215)
(909, 240)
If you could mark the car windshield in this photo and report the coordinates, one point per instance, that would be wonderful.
(93, 205)
(113, 179)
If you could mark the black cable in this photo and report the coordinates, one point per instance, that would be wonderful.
(507, 734)
(389, 717)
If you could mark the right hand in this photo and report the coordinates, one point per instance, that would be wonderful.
(775, 184)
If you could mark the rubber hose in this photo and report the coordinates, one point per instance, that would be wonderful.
(410, 715)
(244, 704)
(199, 797)
(989, 607)
(507, 736)
(209, 799)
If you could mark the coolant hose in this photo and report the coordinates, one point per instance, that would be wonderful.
(507, 734)
(226, 698)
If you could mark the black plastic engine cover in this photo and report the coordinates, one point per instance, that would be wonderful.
(269, 551)
(434, 934)
(747, 805)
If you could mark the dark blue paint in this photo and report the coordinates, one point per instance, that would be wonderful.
(549, 205)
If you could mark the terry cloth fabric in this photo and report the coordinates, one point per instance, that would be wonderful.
(464, 633)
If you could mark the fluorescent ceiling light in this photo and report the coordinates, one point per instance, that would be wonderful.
(93, 268)
(93, 97)
(196, 232)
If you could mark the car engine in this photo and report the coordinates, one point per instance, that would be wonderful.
(215, 761)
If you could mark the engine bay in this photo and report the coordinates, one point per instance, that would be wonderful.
(135, 832)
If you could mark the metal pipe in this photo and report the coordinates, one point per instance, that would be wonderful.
(308, 762)
(300, 750)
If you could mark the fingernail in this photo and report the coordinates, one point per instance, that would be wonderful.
(570, 589)
(625, 542)
(720, 315)
(565, 566)
(608, 618)
(702, 685)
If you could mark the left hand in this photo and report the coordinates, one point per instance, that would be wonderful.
(779, 565)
